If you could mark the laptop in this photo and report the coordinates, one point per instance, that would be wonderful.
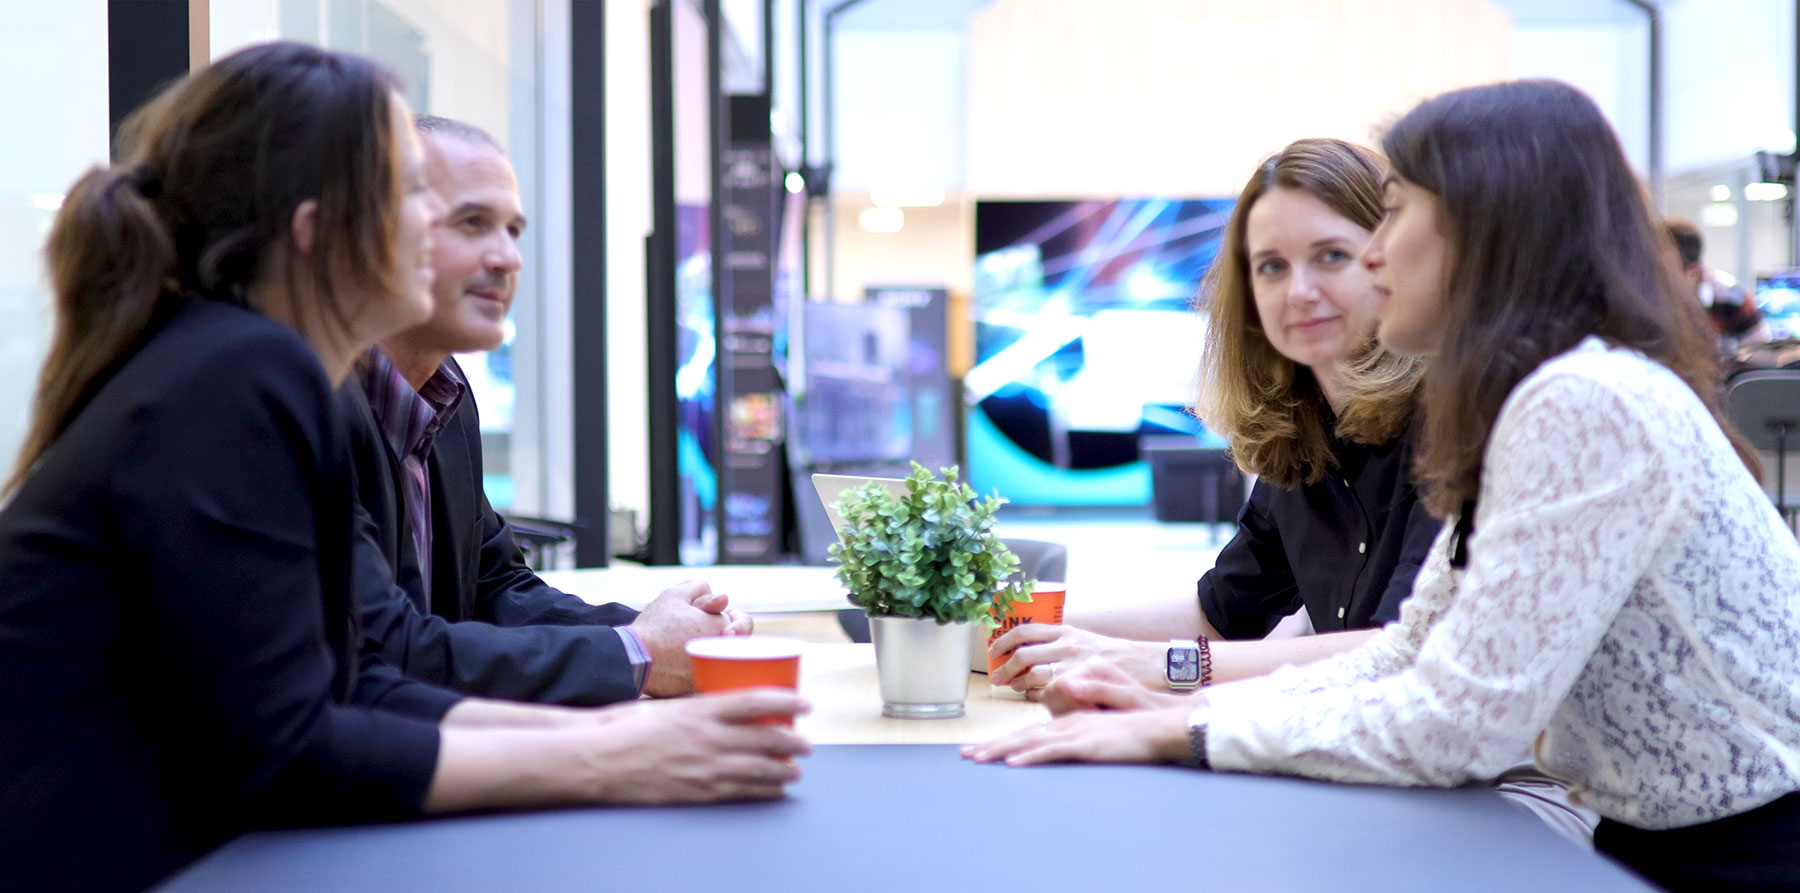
(831, 488)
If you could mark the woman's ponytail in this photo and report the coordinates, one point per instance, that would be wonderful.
(112, 268)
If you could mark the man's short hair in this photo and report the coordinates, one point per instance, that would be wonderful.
(1687, 240)
(462, 130)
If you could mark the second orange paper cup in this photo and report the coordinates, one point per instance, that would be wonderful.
(726, 663)
(1046, 606)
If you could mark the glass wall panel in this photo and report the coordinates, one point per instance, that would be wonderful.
(59, 49)
(466, 61)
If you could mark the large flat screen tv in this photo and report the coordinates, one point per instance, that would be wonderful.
(1086, 340)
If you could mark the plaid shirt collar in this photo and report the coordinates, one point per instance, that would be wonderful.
(409, 419)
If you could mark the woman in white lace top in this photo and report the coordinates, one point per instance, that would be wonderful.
(1616, 591)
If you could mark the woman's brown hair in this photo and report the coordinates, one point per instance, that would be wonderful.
(1550, 240)
(1269, 407)
(210, 174)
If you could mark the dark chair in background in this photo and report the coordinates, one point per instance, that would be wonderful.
(1765, 406)
(1038, 560)
(1190, 482)
(539, 537)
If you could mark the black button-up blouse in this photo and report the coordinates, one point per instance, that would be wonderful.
(1346, 547)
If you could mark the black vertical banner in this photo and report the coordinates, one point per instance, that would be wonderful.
(750, 394)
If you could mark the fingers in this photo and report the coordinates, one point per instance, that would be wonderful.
(1005, 745)
(753, 703)
(1049, 751)
(1025, 634)
(738, 624)
(1072, 694)
(688, 591)
(751, 769)
(712, 602)
(1023, 660)
(1037, 677)
(778, 742)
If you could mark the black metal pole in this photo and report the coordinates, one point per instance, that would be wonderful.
(664, 544)
(806, 289)
(587, 141)
(146, 50)
(768, 50)
(720, 117)
(1781, 469)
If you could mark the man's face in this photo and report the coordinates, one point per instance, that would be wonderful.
(475, 250)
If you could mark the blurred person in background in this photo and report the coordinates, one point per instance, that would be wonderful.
(1736, 321)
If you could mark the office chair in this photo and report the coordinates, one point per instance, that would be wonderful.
(1038, 560)
(539, 537)
(1765, 406)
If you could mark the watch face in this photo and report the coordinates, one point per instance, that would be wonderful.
(1184, 665)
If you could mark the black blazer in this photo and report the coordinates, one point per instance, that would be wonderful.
(490, 626)
(177, 654)
(1346, 547)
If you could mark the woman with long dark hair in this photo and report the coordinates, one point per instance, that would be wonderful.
(178, 655)
(1615, 590)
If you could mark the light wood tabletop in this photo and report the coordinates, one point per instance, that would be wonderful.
(840, 682)
(763, 589)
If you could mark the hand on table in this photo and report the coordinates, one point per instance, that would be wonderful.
(685, 611)
(697, 749)
(1098, 684)
(1038, 648)
(1146, 736)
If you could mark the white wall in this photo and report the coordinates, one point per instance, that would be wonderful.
(60, 51)
(1611, 62)
(1730, 77)
(627, 224)
(902, 109)
(1072, 98)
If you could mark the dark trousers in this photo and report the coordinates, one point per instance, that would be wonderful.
(1755, 850)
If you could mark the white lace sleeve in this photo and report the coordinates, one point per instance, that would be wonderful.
(1576, 498)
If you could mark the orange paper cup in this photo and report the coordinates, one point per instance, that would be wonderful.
(725, 663)
(1046, 606)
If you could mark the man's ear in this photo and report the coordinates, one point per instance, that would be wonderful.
(303, 225)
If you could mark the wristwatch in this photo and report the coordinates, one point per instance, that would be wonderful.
(1197, 723)
(1182, 667)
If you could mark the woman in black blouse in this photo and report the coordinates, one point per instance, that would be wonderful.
(1291, 377)
(178, 660)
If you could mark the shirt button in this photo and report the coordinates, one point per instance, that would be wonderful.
(1361, 548)
(1340, 613)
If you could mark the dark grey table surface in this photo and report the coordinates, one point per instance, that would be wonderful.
(913, 817)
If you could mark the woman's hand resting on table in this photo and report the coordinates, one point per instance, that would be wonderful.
(1041, 651)
(1098, 684)
(1149, 736)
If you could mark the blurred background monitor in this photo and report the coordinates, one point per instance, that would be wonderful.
(1778, 297)
(1085, 342)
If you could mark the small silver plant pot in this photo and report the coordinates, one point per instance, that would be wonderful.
(923, 666)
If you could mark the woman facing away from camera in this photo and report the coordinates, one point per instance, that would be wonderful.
(178, 657)
(1616, 592)
(1291, 376)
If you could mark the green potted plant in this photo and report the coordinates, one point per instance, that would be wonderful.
(924, 562)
